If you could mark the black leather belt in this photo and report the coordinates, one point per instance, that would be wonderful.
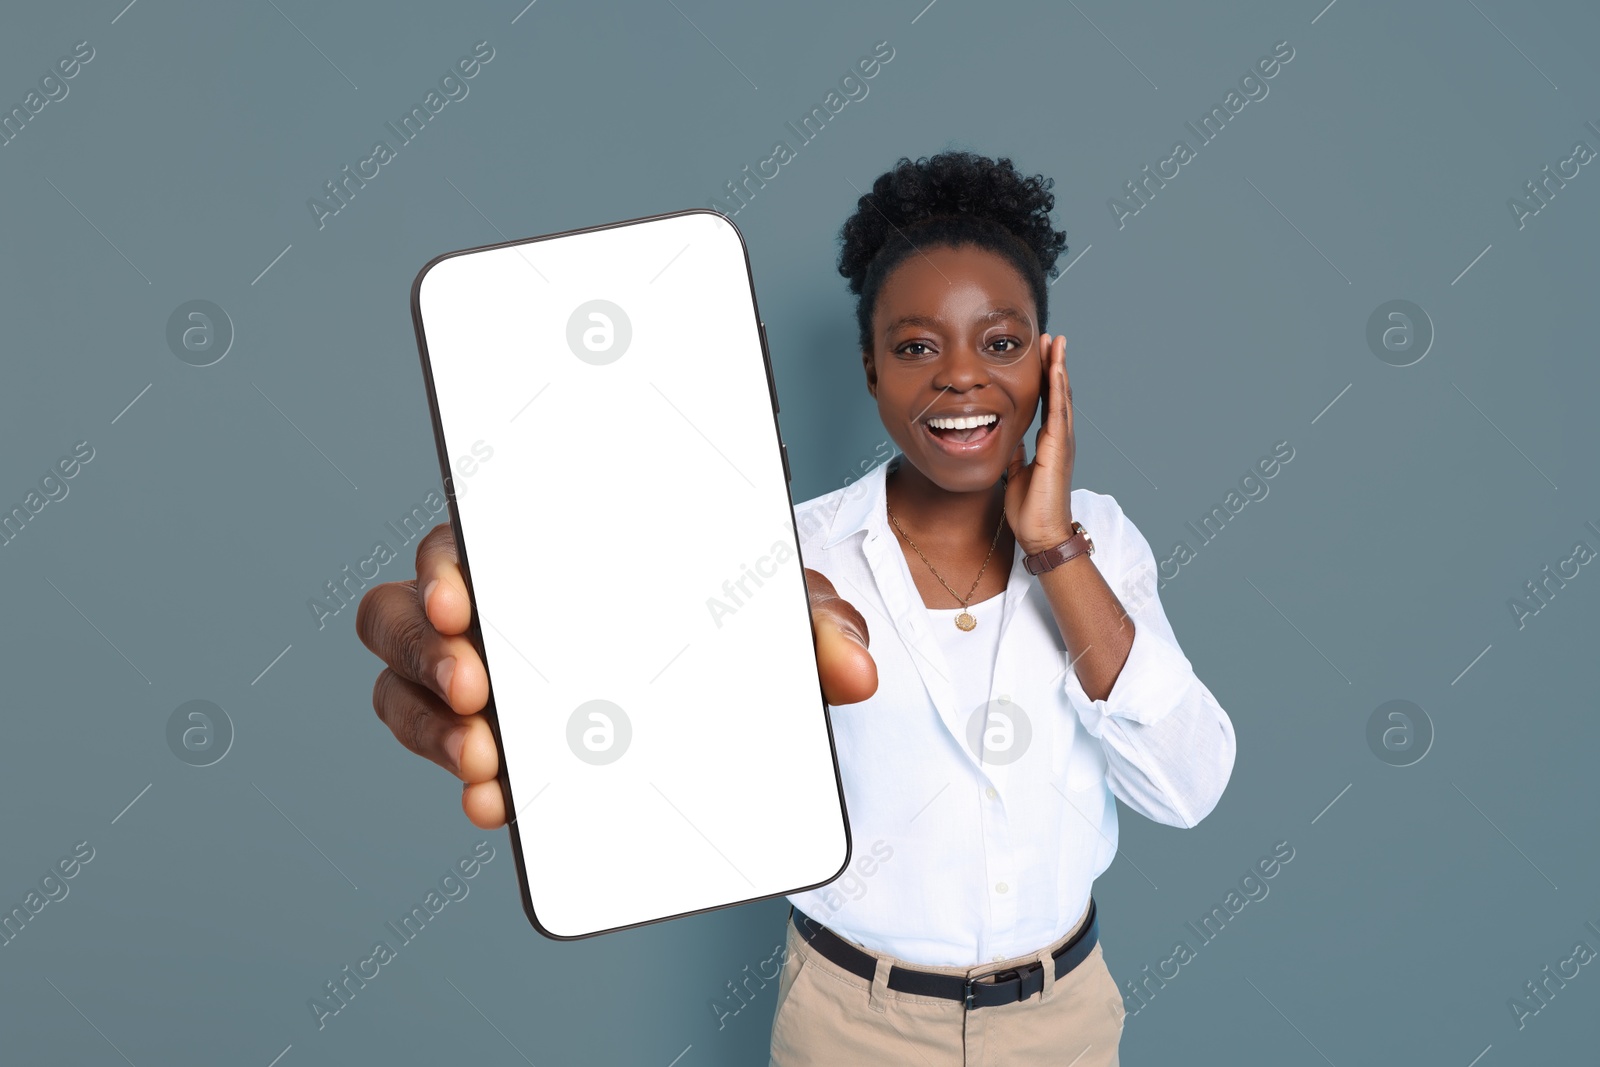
(1008, 986)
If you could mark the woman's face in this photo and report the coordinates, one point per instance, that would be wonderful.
(954, 335)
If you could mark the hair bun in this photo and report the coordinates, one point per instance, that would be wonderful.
(950, 184)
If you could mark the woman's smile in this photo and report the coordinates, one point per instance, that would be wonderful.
(963, 433)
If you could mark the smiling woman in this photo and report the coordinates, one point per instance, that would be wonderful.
(980, 942)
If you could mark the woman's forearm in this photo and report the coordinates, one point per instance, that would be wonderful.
(1097, 630)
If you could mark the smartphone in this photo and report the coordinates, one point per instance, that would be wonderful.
(631, 551)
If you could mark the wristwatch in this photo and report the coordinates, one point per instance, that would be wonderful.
(1051, 558)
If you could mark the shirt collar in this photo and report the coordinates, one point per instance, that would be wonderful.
(863, 508)
(864, 503)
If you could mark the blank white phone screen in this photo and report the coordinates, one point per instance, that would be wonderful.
(631, 548)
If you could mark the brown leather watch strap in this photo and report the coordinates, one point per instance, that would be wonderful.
(1051, 558)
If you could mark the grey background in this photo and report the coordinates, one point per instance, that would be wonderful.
(1224, 317)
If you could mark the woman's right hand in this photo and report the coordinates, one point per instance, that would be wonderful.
(434, 688)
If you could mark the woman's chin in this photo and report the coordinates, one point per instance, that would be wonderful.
(959, 475)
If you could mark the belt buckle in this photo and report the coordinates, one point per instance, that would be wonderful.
(968, 990)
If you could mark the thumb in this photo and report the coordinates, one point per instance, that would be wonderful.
(844, 666)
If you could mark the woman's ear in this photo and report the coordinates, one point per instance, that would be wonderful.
(871, 368)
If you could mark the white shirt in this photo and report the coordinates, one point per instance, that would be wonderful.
(957, 860)
(970, 654)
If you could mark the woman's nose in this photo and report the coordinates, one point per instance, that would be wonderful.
(960, 367)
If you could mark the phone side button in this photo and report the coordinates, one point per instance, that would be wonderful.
(783, 450)
(766, 358)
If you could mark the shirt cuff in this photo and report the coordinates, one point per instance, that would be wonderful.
(1154, 681)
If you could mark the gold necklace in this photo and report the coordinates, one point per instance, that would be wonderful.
(964, 621)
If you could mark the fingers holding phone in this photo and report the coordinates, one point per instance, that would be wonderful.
(434, 688)
(846, 668)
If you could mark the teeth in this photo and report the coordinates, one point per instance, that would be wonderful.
(966, 423)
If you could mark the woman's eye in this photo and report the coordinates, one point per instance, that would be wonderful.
(1008, 346)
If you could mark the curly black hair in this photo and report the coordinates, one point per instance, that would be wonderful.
(952, 198)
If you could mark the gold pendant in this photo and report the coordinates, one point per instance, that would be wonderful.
(965, 621)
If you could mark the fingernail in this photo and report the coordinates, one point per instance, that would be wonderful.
(454, 743)
(443, 673)
(427, 591)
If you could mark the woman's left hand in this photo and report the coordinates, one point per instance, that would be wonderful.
(1039, 494)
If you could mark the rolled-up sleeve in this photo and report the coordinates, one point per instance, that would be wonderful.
(1169, 746)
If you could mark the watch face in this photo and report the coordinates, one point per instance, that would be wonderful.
(1077, 528)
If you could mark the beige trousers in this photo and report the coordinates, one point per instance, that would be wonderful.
(829, 1017)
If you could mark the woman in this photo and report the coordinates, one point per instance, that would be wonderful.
(1012, 693)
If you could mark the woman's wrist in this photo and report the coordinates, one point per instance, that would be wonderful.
(1034, 547)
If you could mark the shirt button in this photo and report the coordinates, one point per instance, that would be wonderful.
(990, 793)
(998, 957)
(1000, 887)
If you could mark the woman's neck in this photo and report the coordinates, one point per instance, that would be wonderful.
(937, 518)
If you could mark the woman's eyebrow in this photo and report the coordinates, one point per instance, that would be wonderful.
(931, 323)
(1004, 313)
(925, 321)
